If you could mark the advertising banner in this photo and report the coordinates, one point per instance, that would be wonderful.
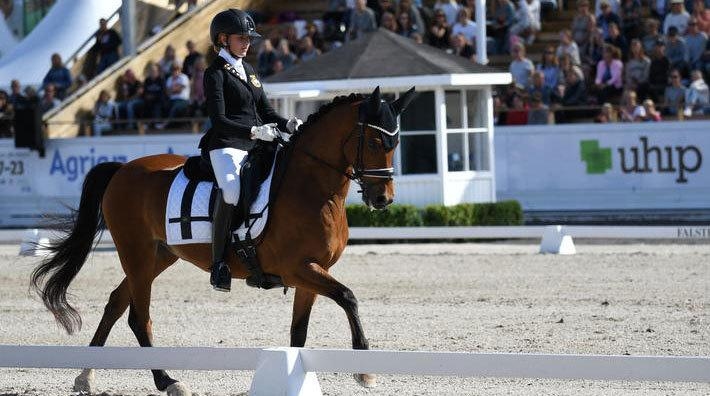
(605, 166)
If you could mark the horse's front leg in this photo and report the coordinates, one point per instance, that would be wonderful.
(313, 278)
(302, 304)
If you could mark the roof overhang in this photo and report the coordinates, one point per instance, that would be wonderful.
(305, 89)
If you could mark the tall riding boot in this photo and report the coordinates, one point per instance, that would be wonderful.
(221, 277)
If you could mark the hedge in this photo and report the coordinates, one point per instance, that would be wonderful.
(498, 213)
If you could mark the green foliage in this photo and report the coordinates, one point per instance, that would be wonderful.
(499, 213)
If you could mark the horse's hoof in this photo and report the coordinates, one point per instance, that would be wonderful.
(84, 382)
(366, 380)
(178, 389)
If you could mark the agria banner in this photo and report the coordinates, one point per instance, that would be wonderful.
(605, 166)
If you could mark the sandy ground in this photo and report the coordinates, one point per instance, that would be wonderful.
(640, 299)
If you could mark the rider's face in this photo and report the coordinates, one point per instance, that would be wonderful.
(238, 44)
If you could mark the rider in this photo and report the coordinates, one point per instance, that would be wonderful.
(240, 115)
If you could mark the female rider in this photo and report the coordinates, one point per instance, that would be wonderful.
(240, 116)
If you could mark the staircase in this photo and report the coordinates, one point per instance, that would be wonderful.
(72, 118)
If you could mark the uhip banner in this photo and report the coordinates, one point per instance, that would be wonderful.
(32, 187)
(661, 165)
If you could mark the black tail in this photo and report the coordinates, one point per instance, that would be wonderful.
(68, 255)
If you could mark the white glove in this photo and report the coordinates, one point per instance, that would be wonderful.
(266, 132)
(293, 124)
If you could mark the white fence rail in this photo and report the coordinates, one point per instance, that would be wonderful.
(290, 370)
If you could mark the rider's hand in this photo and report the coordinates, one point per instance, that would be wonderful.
(293, 124)
(266, 132)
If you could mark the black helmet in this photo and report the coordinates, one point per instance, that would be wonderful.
(232, 21)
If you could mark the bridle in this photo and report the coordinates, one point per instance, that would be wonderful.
(359, 171)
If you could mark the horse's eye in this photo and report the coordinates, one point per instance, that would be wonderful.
(373, 144)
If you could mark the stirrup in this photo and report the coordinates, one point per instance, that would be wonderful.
(221, 277)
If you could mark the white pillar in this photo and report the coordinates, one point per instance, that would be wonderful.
(128, 27)
(486, 105)
(441, 141)
(481, 54)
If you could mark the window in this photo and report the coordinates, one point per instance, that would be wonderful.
(454, 120)
(420, 114)
(455, 150)
(476, 117)
(478, 158)
(418, 154)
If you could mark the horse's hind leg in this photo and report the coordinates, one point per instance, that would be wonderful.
(315, 279)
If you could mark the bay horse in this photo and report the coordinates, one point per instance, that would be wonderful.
(352, 138)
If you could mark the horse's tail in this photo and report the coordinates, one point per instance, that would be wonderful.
(68, 255)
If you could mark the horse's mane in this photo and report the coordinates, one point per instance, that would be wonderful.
(324, 109)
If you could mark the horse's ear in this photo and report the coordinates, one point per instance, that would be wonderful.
(375, 101)
(400, 104)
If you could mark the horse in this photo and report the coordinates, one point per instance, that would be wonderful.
(351, 138)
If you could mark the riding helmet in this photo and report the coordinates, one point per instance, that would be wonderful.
(232, 21)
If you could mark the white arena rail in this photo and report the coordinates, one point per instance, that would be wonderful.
(290, 371)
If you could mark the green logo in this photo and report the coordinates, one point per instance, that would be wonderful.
(598, 159)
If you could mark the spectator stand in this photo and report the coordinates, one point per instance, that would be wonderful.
(446, 132)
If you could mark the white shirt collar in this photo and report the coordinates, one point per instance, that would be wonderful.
(235, 62)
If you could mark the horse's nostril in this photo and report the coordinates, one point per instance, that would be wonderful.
(382, 200)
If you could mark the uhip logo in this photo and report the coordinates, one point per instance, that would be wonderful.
(682, 160)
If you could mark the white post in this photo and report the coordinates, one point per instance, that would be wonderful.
(486, 106)
(281, 372)
(442, 162)
(556, 240)
(481, 53)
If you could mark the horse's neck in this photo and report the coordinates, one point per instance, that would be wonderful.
(325, 141)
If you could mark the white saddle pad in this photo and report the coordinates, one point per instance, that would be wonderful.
(195, 225)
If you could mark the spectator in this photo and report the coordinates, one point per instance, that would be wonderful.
(31, 94)
(440, 31)
(652, 115)
(464, 25)
(592, 54)
(550, 69)
(178, 89)
(315, 36)
(696, 42)
(406, 28)
(697, 96)
(609, 81)
(652, 35)
(702, 16)
(637, 69)
(154, 93)
(461, 47)
(308, 50)
(167, 61)
(615, 6)
(607, 17)
(450, 9)
(658, 71)
(674, 94)
(362, 20)
(503, 19)
(521, 67)
(107, 42)
(291, 35)
(630, 111)
(630, 13)
(6, 115)
(17, 99)
(568, 46)
(197, 87)
(190, 59)
(539, 88)
(104, 113)
(617, 40)
(518, 114)
(539, 113)
(527, 23)
(127, 96)
(417, 38)
(583, 24)
(606, 115)
(566, 66)
(379, 7)
(389, 22)
(678, 17)
(278, 66)
(658, 9)
(677, 51)
(267, 58)
(285, 55)
(49, 100)
(406, 6)
(59, 76)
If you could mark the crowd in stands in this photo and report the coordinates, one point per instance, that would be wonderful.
(623, 54)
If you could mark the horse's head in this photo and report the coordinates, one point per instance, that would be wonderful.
(373, 147)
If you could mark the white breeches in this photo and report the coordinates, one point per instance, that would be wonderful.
(227, 163)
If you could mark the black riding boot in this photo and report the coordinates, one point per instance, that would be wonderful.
(221, 277)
